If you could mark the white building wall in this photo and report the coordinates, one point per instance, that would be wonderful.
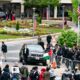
(61, 1)
(17, 1)
(22, 1)
(66, 1)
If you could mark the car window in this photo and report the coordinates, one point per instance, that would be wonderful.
(2, 14)
(35, 48)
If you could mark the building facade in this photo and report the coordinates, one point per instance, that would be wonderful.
(18, 7)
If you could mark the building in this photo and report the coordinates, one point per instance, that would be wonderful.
(18, 7)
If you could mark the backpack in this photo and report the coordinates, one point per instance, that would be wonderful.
(34, 75)
(31, 75)
(15, 76)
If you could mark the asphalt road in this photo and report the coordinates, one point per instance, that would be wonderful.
(15, 46)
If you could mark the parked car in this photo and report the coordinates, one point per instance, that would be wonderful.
(2, 15)
(35, 54)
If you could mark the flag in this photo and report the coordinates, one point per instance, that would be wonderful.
(46, 56)
(35, 23)
(50, 52)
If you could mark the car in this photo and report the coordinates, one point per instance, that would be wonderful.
(35, 55)
(2, 15)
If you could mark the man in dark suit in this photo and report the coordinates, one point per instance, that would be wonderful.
(4, 49)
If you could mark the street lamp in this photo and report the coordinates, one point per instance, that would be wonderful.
(78, 33)
(33, 20)
(63, 15)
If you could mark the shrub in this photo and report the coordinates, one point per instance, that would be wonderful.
(68, 37)
(3, 31)
(17, 26)
(39, 20)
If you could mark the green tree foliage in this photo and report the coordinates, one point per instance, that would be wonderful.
(68, 37)
(40, 3)
(39, 20)
(17, 26)
(74, 14)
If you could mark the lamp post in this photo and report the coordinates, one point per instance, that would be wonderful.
(63, 15)
(33, 20)
(78, 33)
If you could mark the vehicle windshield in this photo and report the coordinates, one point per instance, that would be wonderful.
(35, 48)
(2, 13)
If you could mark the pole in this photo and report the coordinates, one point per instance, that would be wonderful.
(33, 20)
(63, 17)
(78, 33)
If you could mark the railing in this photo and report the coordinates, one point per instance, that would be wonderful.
(70, 64)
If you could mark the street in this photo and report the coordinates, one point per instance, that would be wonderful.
(13, 54)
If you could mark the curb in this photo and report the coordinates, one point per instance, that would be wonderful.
(27, 38)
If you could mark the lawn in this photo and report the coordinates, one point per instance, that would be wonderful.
(47, 30)
(4, 36)
(53, 30)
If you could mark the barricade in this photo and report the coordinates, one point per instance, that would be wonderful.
(70, 64)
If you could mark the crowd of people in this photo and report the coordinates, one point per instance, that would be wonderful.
(45, 73)
(10, 16)
(69, 55)
(22, 73)
(65, 55)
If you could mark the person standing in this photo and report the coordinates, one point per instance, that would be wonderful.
(34, 74)
(46, 75)
(40, 42)
(4, 49)
(24, 73)
(6, 73)
(0, 73)
(52, 75)
(41, 74)
(50, 52)
(49, 38)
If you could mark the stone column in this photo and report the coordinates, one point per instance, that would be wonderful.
(28, 13)
(22, 9)
(48, 13)
(55, 12)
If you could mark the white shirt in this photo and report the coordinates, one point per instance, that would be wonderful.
(51, 72)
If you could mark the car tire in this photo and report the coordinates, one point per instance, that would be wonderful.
(20, 59)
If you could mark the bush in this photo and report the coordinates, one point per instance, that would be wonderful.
(68, 37)
(3, 31)
(39, 20)
(17, 26)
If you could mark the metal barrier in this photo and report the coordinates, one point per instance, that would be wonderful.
(70, 64)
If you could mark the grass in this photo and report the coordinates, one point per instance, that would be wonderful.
(4, 36)
(53, 30)
(46, 30)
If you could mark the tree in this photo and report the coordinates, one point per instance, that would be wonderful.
(31, 3)
(68, 37)
(17, 26)
(74, 14)
(40, 3)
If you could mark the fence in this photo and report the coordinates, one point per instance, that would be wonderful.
(70, 64)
